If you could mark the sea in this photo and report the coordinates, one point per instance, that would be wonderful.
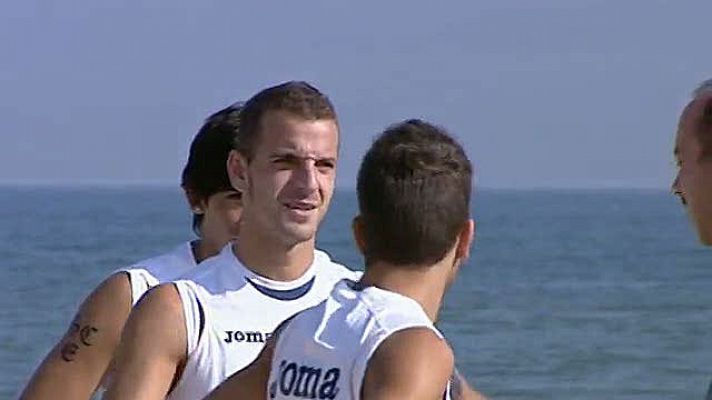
(568, 294)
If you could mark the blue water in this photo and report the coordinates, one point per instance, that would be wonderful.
(568, 295)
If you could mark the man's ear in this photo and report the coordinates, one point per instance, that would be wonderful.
(237, 171)
(357, 228)
(465, 239)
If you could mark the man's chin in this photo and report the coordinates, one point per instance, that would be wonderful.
(296, 235)
(706, 239)
(702, 221)
(704, 233)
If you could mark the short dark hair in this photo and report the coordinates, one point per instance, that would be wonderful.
(295, 97)
(703, 128)
(414, 189)
(205, 173)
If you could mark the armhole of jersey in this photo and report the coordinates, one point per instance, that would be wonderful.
(131, 285)
(201, 327)
(194, 315)
(453, 384)
(361, 362)
(447, 395)
(137, 285)
(131, 279)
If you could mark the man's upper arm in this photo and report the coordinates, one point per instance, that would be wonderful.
(75, 366)
(410, 364)
(152, 347)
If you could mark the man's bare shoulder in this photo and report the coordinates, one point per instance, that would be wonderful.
(156, 324)
(160, 304)
(152, 346)
(414, 363)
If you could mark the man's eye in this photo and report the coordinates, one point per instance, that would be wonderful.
(325, 165)
(283, 162)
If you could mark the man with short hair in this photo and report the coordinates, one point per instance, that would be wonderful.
(186, 337)
(693, 153)
(375, 338)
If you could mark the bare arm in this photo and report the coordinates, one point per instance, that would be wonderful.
(75, 366)
(152, 347)
(411, 364)
(249, 383)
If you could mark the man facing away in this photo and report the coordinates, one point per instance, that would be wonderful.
(186, 337)
(375, 338)
(693, 153)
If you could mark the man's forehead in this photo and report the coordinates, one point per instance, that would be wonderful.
(280, 117)
(304, 152)
(695, 109)
(681, 140)
(691, 117)
(300, 137)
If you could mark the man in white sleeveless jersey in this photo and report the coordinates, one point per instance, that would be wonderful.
(374, 338)
(183, 339)
(76, 365)
(693, 152)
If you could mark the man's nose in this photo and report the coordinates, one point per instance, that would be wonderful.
(306, 176)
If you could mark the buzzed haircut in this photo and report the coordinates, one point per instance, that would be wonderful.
(414, 189)
(703, 126)
(297, 98)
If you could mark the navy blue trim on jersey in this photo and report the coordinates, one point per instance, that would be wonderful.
(354, 285)
(291, 294)
(202, 318)
(447, 395)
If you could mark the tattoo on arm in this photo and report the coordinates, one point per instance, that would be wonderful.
(85, 335)
(69, 351)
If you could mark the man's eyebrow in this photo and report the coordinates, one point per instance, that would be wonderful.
(292, 156)
(283, 154)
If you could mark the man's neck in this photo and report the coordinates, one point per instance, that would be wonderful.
(203, 249)
(272, 259)
(425, 285)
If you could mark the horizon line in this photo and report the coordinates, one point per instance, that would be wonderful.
(99, 184)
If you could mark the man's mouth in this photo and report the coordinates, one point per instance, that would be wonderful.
(300, 205)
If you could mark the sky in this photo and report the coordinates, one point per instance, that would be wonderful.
(542, 93)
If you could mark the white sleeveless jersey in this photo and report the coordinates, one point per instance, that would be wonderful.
(148, 273)
(230, 312)
(323, 352)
